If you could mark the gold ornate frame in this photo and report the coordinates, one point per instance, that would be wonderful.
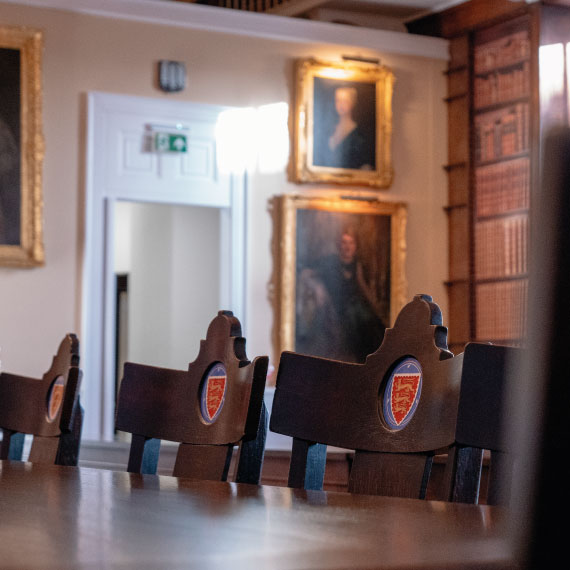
(30, 251)
(346, 72)
(284, 211)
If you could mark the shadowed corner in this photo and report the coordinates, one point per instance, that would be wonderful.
(538, 385)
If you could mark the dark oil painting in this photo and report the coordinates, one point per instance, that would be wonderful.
(344, 124)
(342, 283)
(10, 136)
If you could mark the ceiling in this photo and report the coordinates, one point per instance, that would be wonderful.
(381, 14)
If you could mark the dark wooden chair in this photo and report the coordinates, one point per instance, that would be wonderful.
(480, 426)
(47, 408)
(215, 405)
(396, 410)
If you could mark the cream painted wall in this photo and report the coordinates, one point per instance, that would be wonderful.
(84, 53)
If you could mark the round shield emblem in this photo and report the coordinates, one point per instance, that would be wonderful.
(402, 394)
(55, 398)
(213, 393)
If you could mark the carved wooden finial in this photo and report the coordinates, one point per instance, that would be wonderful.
(419, 320)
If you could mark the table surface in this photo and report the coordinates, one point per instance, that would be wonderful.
(68, 517)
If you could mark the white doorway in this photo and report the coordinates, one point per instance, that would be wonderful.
(173, 223)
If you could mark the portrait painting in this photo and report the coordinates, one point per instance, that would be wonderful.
(341, 267)
(21, 147)
(343, 123)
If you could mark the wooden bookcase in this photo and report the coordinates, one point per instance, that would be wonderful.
(503, 90)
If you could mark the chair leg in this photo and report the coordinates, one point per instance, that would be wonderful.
(308, 463)
(463, 475)
(143, 457)
(69, 443)
(12, 445)
(251, 453)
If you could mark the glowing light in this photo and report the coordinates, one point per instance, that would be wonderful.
(273, 137)
(551, 65)
(236, 140)
(250, 139)
(334, 73)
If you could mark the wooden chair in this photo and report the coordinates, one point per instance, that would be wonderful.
(480, 426)
(208, 409)
(49, 409)
(396, 410)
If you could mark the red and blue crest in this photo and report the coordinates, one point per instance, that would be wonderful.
(402, 394)
(55, 398)
(213, 393)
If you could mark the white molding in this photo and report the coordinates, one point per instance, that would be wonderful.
(98, 291)
(198, 17)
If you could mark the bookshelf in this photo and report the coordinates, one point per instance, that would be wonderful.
(507, 81)
(500, 187)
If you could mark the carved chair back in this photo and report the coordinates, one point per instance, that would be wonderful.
(47, 408)
(396, 410)
(208, 409)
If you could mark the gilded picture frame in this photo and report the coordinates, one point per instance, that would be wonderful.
(317, 311)
(343, 123)
(21, 147)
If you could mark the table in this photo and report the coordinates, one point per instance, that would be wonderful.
(69, 517)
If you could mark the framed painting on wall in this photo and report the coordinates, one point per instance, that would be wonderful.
(343, 123)
(21, 147)
(340, 274)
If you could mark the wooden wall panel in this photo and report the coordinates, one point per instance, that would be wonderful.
(459, 251)
(458, 130)
(458, 183)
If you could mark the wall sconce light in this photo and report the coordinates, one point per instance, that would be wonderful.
(171, 75)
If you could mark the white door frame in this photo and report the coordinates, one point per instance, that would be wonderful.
(98, 288)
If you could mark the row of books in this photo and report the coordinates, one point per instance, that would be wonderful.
(502, 133)
(499, 87)
(501, 310)
(501, 247)
(502, 187)
(502, 52)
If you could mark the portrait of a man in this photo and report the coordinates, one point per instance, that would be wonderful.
(342, 283)
(344, 124)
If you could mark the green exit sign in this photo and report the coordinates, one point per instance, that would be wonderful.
(170, 142)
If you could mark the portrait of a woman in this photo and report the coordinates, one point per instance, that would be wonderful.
(344, 124)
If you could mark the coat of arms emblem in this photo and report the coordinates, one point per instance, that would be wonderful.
(402, 393)
(55, 398)
(213, 393)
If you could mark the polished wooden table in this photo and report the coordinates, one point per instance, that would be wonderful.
(67, 517)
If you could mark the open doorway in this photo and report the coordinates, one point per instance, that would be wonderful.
(167, 268)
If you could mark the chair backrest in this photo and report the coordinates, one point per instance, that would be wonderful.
(208, 409)
(47, 408)
(480, 426)
(395, 410)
